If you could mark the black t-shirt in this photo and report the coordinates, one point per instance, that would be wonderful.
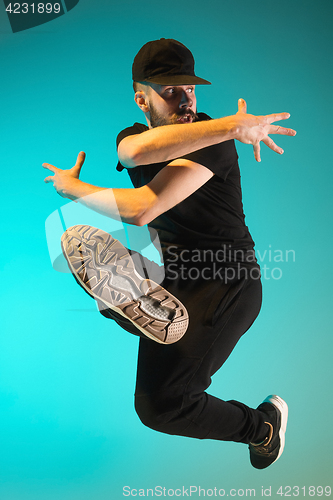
(210, 218)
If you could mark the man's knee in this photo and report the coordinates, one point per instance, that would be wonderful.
(157, 412)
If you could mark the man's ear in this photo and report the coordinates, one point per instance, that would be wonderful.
(140, 98)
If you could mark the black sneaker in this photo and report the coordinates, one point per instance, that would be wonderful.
(268, 451)
(104, 268)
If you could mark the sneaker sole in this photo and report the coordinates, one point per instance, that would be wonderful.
(104, 268)
(282, 406)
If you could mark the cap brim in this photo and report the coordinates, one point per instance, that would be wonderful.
(178, 80)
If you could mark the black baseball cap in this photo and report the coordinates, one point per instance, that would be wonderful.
(165, 62)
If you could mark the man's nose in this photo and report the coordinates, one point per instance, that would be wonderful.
(186, 100)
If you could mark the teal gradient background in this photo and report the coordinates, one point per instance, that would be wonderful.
(68, 429)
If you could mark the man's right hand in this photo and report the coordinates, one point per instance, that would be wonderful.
(251, 129)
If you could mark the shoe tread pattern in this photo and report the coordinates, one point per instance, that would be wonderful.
(105, 269)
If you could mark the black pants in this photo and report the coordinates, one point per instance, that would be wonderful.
(170, 394)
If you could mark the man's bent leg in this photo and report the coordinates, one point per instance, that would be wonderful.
(172, 380)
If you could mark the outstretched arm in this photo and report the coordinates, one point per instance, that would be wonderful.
(172, 141)
(136, 206)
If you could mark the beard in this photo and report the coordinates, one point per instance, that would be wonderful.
(157, 119)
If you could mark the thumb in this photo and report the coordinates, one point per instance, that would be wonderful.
(79, 162)
(242, 107)
(80, 159)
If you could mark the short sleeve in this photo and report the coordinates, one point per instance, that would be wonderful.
(137, 128)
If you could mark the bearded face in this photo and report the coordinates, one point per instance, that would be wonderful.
(157, 119)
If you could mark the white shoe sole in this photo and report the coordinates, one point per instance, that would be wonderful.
(282, 407)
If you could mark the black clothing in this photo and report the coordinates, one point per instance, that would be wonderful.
(213, 215)
(172, 379)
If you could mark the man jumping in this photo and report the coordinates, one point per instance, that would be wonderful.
(184, 168)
